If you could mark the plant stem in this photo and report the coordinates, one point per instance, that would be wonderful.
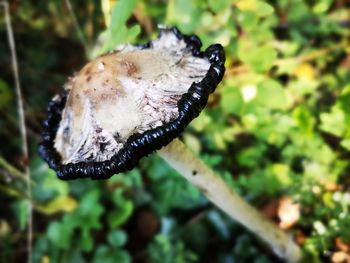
(12, 170)
(22, 126)
(217, 191)
(77, 27)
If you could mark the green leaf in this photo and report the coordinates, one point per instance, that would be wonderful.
(118, 31)
(259, 7)
(60, 235)
(231, 100)
(120, 14)
(304, 119)
(85, 219)
(282, 173)
(259, 57)
(333, 122)
(219, 5)
(173, 191)
(133, 32)
(49, 187)
(248, 20)
(344, 99)
(260, 183)
(271, 94)
(346, 144)
(107, 255)
(117, 238)
(264, 9)
(322, 6)
(21, 211)
(185, 14)
(86, 241)
(121, 215)
(250, 156)
(162, 250)
(5, 94)
(88, 203)
(131, 179)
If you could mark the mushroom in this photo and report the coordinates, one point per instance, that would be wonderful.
(129, 103)
(138, 99)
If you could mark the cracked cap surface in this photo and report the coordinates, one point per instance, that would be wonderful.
(126, 104)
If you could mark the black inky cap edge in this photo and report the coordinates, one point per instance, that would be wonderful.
(138, 145)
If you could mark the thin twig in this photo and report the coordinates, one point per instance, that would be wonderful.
(11, 169)
(12, 192)
(77, 27)
(23, 131)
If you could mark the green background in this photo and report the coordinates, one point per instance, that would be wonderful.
(277, 130)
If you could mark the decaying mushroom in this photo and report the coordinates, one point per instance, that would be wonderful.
(126, 104)
(129, 103)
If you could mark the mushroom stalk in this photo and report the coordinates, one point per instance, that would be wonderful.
(217, 191)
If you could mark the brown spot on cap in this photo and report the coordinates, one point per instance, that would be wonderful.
(87, 71)
(130, 67)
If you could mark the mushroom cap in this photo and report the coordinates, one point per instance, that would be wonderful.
(128, 103)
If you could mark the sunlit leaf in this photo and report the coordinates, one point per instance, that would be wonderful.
(118, 32)
(322, 6)
(184, 14)
(344, 99)
(259, 57)
(305, 120)
(59, 204)
(346, 144)
(333, 122)
(260, 7)
(231, 100)
(271, 94)
(219, 5)
(305, 71)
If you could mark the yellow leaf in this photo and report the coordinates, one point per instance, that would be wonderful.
(45, 259)
(260, 8)
(5, 228)
(305, 71)
(60, 204)
(281, 171)
(246, 5)
(107, 6)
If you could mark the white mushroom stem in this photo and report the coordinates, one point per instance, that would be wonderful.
(223, 196)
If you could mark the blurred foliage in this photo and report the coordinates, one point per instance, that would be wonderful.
(278, 126)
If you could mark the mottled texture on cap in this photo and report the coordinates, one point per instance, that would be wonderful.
(126, 104)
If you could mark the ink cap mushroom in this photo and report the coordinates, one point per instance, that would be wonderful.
(128, 103)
